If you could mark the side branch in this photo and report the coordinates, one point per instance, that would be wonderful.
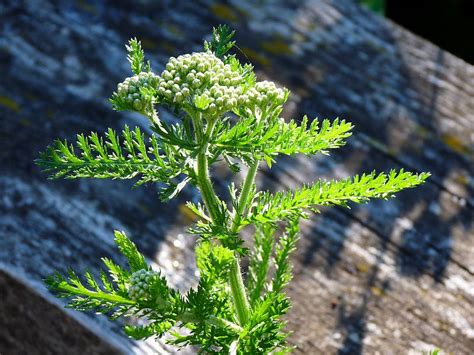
(126, 157)
(360, 189)
(250, 138)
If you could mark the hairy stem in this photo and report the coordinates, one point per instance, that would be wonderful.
(244, 195)
(239, 294)
(236, 282)
(204, 181)
(209, 197)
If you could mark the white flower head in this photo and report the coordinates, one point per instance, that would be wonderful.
(201, 80)
(130, 90)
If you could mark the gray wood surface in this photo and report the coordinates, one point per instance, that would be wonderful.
(388, 277)
(31, 324)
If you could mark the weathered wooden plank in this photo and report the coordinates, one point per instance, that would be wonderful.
(30, 324)
(356, 292)
(412, 104)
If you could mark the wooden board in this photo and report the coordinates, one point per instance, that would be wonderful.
(30, 324)
(393, 276)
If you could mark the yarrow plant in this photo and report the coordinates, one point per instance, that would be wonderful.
(225, 114)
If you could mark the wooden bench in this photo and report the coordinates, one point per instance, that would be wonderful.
(393, 276)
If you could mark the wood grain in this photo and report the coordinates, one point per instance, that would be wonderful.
(389, 277)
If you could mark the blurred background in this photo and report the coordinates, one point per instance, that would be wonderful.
(447, 23)
(389, 277)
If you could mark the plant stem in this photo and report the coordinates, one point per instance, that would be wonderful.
(236, 282)
(244, 195)
(239, 294)
(212, 204)
(204, 181)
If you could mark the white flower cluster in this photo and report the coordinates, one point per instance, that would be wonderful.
(140, 282)
(129, 90)
(199, 81)
(202, 80)
(264, 93)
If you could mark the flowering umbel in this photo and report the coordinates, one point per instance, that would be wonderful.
(200, 82)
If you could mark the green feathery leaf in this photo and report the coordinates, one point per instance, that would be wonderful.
(250, 137)
(90, 296)
(155, 329)
(136, 261)
(259, 260)
(263, 333)
(213, 260)
(269, 207)
(112, 157)
(221, 41)
(136, 57)
(286, 245)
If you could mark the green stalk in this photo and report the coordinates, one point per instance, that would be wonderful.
(204, 181)
(237, 286)
(244, 195)
(211, 202)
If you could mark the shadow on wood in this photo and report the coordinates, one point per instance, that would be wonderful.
(393, 274)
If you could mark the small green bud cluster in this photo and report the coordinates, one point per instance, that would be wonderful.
(264, 93)
(203, 81)
(140, 282)
(129, 90)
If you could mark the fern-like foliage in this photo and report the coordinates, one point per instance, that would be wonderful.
(259, 260)
(252, 139)
(164, 307)
(126, 157)
(286, 245)
(221, 42)
(136, 57)
(210, 299)
(102, 298)
(108, 295)
(265, 326)
(270, 207)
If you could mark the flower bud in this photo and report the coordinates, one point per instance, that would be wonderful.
(140, 282)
